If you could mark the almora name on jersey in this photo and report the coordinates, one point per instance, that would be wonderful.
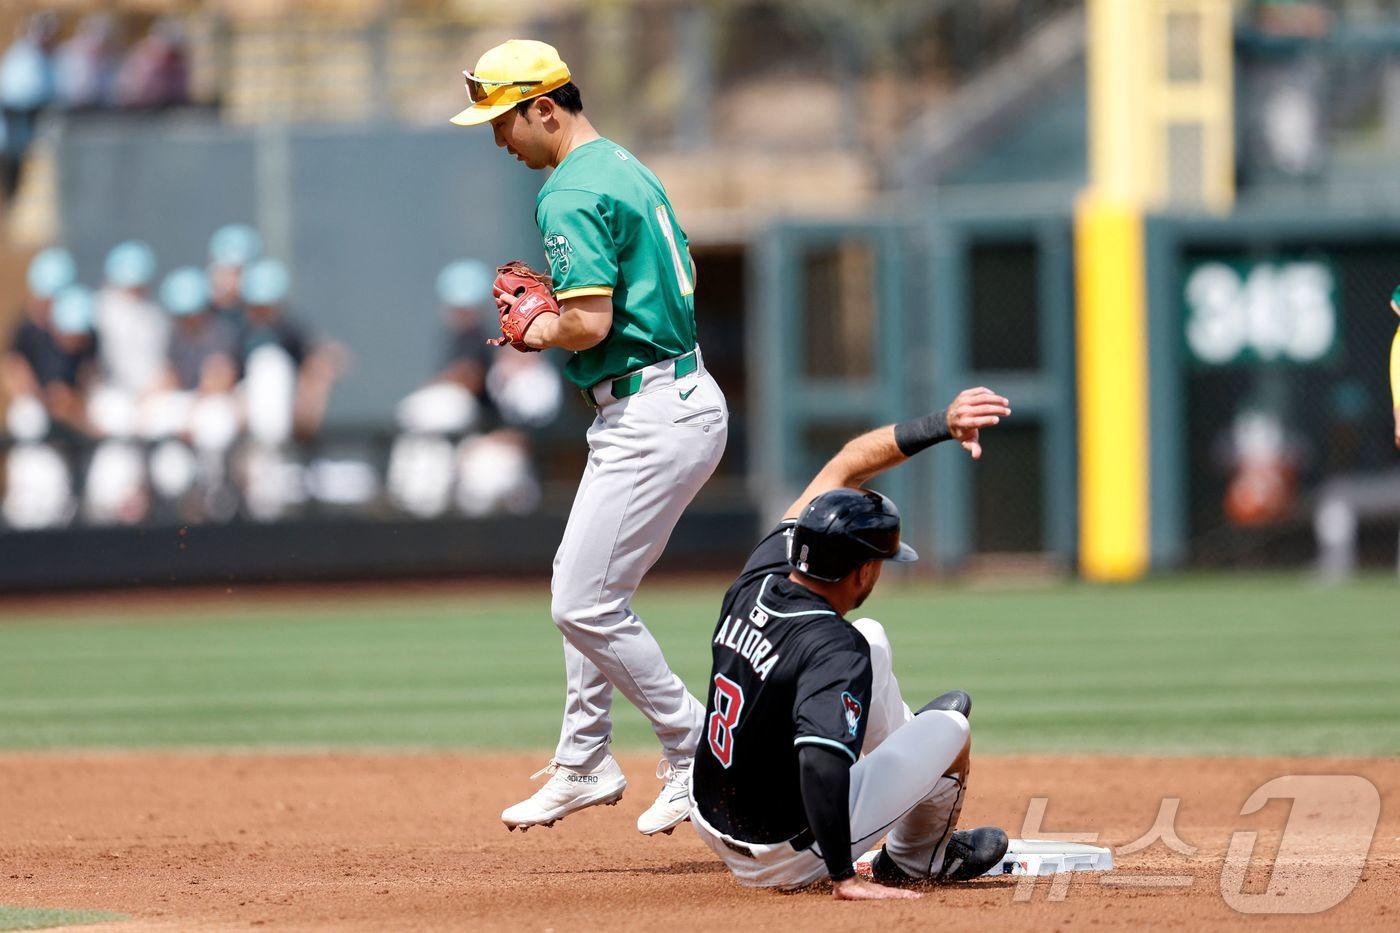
(743, 636)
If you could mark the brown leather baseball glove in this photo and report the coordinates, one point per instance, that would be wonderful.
(534, 294)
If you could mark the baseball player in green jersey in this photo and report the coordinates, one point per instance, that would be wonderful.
(622, 305)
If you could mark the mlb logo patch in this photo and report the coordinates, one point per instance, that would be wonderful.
(758, 617)
(851, 706)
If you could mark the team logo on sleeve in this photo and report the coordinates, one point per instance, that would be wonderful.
(852, 709)
(557, 248)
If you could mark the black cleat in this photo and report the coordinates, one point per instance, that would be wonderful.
(956, 700)
(883, 870)
(971, 853)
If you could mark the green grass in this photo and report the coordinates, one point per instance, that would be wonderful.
(41, 918)
(1212, 665)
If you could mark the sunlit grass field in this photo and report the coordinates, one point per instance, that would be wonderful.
(1200, 664)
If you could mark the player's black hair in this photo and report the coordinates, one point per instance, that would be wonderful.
(566, 96)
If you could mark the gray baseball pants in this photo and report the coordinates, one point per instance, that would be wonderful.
(649, 454)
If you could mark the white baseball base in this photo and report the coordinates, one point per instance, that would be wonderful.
(1033, 857)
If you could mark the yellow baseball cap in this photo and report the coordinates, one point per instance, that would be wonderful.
(514, 71)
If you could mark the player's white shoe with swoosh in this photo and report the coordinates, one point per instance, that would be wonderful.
(567, 791)
(672, 806)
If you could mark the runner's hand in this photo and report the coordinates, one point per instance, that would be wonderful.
(971, 411)
(858, 889)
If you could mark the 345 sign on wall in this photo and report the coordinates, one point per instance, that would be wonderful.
(1250, 312)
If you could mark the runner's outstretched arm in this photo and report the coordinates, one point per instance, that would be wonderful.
(874, 452)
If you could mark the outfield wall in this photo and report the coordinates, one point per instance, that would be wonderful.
(1267, 332)
(707, 540)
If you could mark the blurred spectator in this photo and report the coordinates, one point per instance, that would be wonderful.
(132, 332)
(132, 336)
(71, 320)
(64, 357)
(451, 402)
(525, 388)
(287, 380)
(38, 487)
(477, 386)
(26, 88)
(86, 65)
(196, 404)
(40, 374)
(231, 249)
(267, 326)
(1290, 112)
(156, 72)
(49, 271)
(494, 473)
(464, 289)
(421, 463)
(203, 346)
(1264, 462)
(55, 357)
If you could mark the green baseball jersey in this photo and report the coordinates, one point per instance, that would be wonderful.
(609, 229)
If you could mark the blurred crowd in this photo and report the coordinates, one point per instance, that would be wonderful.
(464, 437)
(91, 69)
(193, 397)
(155, 381)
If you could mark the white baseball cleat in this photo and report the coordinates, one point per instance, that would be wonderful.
(672, 806)
(567, 791)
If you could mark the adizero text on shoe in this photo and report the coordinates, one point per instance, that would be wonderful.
(672, 806)
(971, 853)
(568, 790)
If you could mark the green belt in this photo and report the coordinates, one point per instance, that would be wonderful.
(631, 383)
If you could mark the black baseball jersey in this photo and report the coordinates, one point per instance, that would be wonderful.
(194, 342)
(787, 671)
(281, 331)
(48, 359)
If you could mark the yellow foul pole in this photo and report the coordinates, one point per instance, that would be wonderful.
(1154, 67)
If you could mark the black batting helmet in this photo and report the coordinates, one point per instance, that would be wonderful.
(842, 529)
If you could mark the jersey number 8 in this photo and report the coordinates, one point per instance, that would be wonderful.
(729, 700)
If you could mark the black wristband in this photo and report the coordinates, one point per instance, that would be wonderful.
(917, 434)
(848, 873)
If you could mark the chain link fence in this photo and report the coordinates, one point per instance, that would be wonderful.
(1285, 350)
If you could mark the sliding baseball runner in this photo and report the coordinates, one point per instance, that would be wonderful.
(618, 296)
(810, 753)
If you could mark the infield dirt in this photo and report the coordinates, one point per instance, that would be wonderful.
(407, 841)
